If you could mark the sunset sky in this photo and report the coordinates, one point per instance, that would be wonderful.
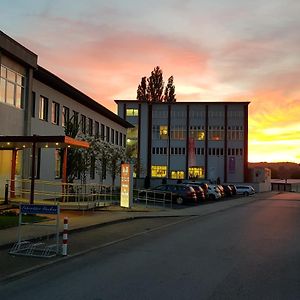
(221, 50)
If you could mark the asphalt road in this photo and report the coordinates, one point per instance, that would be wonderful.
(247, 252)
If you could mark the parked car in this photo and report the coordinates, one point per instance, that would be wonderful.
(203, 184)
(213, 192)
(180, 193)
(221, 190)
(233, 188)
(245, 190)
(227, 190)
(199, 191)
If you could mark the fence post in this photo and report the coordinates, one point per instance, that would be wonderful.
(65, 237)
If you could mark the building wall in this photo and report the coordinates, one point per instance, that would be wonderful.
(209, 136)
(22, 118)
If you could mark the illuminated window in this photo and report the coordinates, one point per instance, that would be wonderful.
(159, 171)
(177, 174)
(43, 108)
(196, 172)
(197, 133)
(163, 132)
(132, 112)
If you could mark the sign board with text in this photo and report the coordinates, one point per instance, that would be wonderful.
(126, 185)
(39, 209)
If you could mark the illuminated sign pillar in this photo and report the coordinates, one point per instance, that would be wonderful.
(126, 185)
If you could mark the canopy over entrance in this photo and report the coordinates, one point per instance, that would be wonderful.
(16, 143)
(21, 142)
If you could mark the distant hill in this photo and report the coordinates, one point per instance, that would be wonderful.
(280, 170)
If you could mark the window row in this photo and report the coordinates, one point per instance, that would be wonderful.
(216, 151)
(235, 151)
(86, 125)
(11, 87)
(215, 133)
(195, 172)
(164, 150)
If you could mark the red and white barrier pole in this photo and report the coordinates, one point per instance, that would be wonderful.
(65, 237)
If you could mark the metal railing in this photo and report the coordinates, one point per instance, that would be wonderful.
(83, 195)
(153, 198)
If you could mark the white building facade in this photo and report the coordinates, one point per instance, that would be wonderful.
(33, 101)
(183, 140)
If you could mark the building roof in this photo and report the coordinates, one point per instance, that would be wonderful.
(184, 102)
(48, 78)
(20, 53)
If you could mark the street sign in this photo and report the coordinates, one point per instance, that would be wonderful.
(39, 209)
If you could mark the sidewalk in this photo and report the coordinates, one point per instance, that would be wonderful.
(83, 220)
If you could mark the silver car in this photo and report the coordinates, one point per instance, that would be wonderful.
(245, 190)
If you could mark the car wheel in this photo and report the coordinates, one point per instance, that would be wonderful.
(179, 200)
(246, 194)
(212, 197)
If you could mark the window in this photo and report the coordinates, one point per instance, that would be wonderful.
(75, 117)
(124, 140)
(132, 112)
(102, 132)
(117, 137)
(132, 141)
(11, 87)
(107, 134)
(178, 132)
(33, 105)
(112, 136)
(58, 164)
(90, 128)
(177, 174)
(37, 164)
(121, 139)
(43, 108)
(197, 133)
(216, 133)
(196, 172)
(163, 132)
(83, 123)
(65, 116)
(96, 128)
(55, 113)
(159, 171)
(235, 133)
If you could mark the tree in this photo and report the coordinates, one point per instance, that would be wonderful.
(142, 90)
(152, 89)
(169, 95)
(155, 85)
(78, 160)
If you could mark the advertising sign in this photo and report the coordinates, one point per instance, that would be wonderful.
(126, 185)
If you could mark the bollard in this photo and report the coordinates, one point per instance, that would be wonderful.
(65, 237)
(6, 194)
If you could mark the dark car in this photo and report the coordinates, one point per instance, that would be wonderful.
(233, 188)
(202, 184)
(199, 192)
(227, 190)
(180, 193)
